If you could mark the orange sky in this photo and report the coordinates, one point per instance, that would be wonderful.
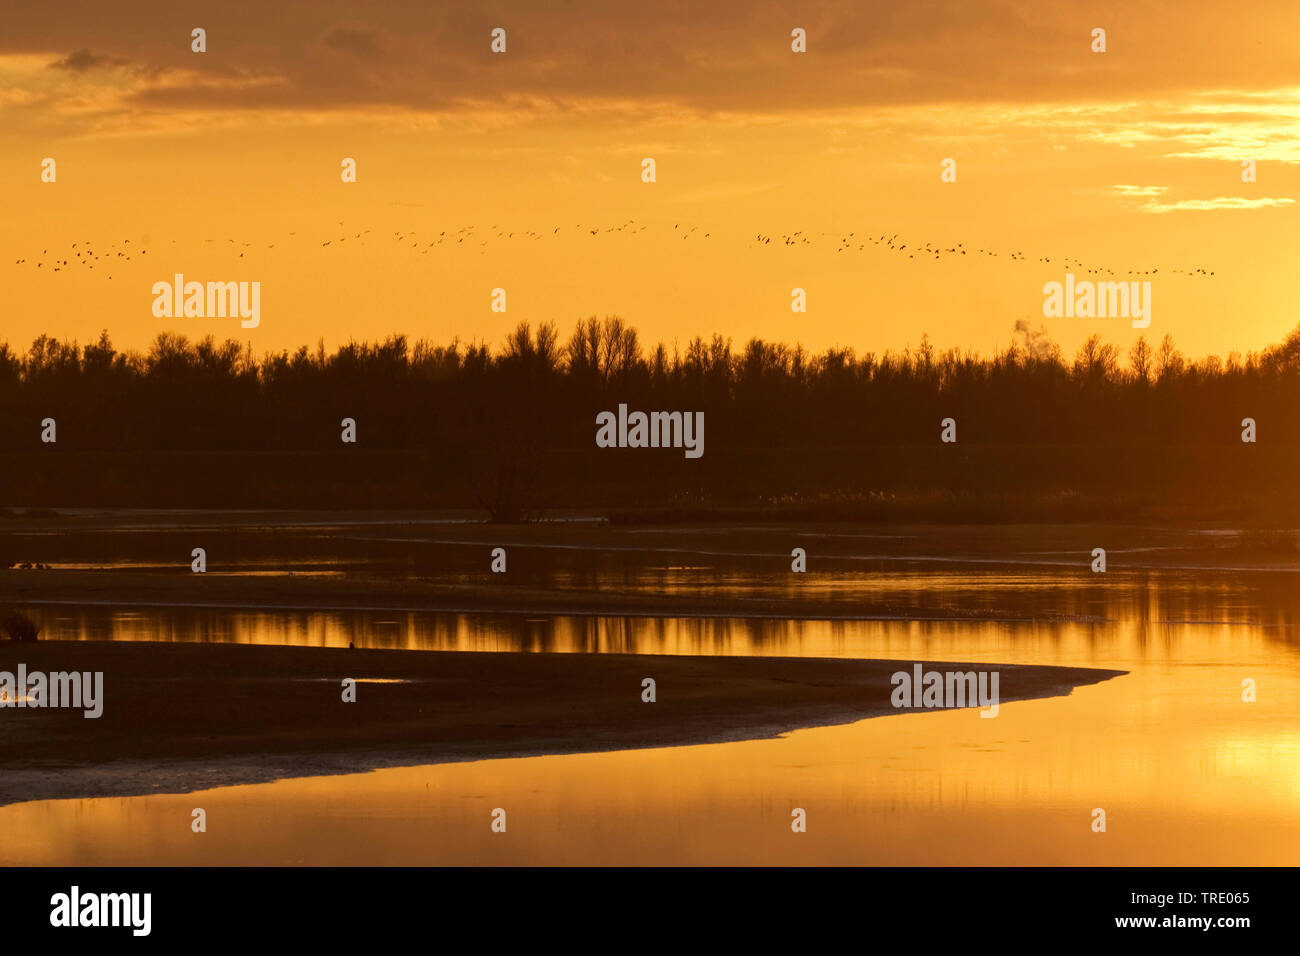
(1128, 159)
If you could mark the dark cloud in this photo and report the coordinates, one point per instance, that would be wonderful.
(363, 43)
(79, 61)
(729, 56)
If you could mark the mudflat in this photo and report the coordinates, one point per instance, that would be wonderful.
(182, 717)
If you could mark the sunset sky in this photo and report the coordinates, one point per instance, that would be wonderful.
(1129, 159)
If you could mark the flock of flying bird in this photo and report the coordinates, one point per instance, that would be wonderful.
(83, 255)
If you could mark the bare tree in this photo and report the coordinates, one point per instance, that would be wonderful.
(1169, 361)
(1140, 358)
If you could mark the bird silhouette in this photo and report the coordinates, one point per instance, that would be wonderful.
(83, 252)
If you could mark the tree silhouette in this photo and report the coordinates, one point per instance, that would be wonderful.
(511, 429)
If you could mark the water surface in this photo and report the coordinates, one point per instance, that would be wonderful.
(1186, 771)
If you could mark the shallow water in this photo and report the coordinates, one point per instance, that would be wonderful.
(1186, 771)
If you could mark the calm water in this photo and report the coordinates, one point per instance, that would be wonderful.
(1187, 772)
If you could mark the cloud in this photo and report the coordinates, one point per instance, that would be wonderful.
(1156, 207)
(1140, 190)
(80, 61)
(726, 56)
(956, 72)
(362, 43)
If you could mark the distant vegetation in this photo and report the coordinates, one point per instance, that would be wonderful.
(19, 627)
(511, 429)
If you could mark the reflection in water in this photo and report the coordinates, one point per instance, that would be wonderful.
(1186, 778)
(1187, 772)
(1034, 617)
(1050, 602)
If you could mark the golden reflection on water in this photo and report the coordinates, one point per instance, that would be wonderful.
(1187, 772)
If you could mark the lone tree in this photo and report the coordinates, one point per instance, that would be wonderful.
(19, 627)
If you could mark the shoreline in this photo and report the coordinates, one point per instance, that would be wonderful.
(438, 561)
(185, 717)
(364, 592)
(566, 610)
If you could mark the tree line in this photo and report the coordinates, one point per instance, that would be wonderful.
(203, 394)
